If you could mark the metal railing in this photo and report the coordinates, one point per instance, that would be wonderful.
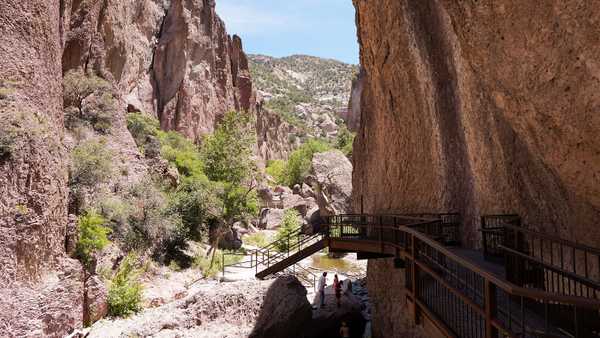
(463, 299)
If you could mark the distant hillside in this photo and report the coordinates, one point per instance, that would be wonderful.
(307, 91)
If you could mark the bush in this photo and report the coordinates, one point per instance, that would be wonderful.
(125, 291)
(289, 224)
(93, 236)
(182, 153)
(276, 169)
(258, 239)
(141, 126)
(202, 262)
(92, 163)
(151, 224)
(227, 153)
(114, 209)
(344, 141)
(8, 141)
(99, 111)
(300, 161)
(77, 86)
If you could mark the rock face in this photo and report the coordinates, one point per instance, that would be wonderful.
(333, 175)
(199, 71)
(275, 138)
(228, 310)
(352, 115)
(478, 108)
(174, 59)
(285, 311)
(41, 289)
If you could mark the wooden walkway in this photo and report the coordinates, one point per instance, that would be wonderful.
(464, 292)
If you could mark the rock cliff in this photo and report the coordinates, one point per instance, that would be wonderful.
(478, 107)
(171, 59)
(34, 269)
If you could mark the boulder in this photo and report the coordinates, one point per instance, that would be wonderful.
(231, 240)
(332, 172)
(270, 218)
(285, 311)
(95, 300)
(297, 189)
(306, 191)
(326, 321)
(281, 189)
(295, 202)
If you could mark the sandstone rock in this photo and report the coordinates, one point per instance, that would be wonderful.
(217, 310)
(333, 175)
(492, 115)
(72, 235)
(231, 240)
(296, 189)
(352, 115)
(41, 290)
(95, 300)
(307, 191)
(281, 189)
(295, 202)
(270, 219)
(199, 71)
(285, 311)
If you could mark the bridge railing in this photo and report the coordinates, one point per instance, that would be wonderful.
(463, 299)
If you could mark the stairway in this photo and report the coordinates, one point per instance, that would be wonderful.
(281, 262)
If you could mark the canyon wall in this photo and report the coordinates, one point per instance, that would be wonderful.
(478, 107)
(41, 289)
(171, 59)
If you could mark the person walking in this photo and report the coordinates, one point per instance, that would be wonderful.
(344, 330)
(322, 284)
(337, 288)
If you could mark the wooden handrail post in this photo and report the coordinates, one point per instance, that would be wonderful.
(381, 232)
(490, 310)
(414, 284)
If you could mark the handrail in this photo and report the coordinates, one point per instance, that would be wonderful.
(555, 239)
(503, 284)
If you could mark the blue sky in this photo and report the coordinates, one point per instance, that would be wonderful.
(323, 28)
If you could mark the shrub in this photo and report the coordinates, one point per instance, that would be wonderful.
(92, 163)
(8, 141)
(276, 169)
(100, 112)
(114, 209)
(93, 236)
(77, 86)
(182, 153)
(151, 225)
(344, 141)
(203, 262)
(125, 291)
(289, 224)
(227, 153)
(141, 126)
(299, 162)
(258, 239)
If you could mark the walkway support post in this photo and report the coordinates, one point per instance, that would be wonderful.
(414, 272)
(490, 309)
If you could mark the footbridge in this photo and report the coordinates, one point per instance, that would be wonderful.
(522, 283)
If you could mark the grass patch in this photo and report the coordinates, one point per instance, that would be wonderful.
(202, 262)
(258, 239)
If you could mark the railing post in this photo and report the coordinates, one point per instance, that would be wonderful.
(223, 262)
(490, 310)
(381, 233)
(415, 288)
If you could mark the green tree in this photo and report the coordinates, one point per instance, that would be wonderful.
(92, 163)
(125, 291)
(93, 236)
(300, 160)
(227, 156)
(344, 141)
(276, 169)
(289, 224)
